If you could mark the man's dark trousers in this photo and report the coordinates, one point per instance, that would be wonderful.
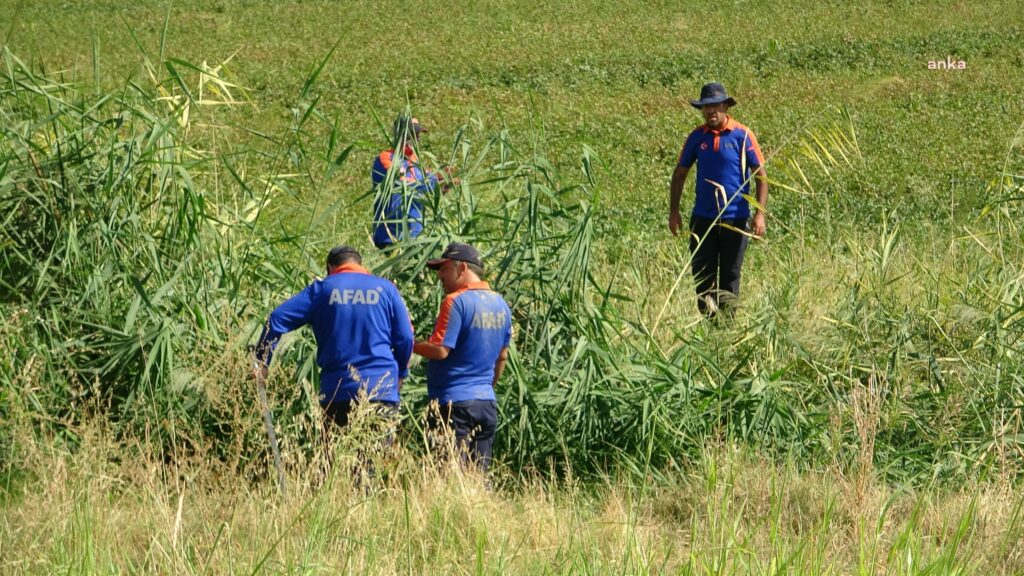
(717, 250)
(338, 412)
(474, 423)
(383, 421)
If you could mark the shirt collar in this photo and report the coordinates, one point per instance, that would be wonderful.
(475, 286)
(730, 124)
(350, 268)
(409, 154)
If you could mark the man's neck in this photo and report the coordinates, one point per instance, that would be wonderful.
(723, 126)
(348, 267)
(467, 281)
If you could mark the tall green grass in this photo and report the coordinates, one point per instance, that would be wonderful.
(140, 255)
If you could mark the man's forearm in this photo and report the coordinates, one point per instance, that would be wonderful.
(430, 351)
(499, 366)
(761, 177)
(676, 188)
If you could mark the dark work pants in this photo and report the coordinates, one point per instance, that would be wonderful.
(474, 423)
(717, 258)
(383, 419)
(338, 412)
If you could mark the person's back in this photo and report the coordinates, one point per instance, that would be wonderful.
(362, 329)
(466, 353)
(354, 326)
(475, 323)
(399, 184)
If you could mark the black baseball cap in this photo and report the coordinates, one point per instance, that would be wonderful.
(406, 125)
(457, 251)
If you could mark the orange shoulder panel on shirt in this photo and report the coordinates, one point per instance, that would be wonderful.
(750, 143)
(441, 326)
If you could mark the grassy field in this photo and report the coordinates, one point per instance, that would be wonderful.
(170, 172)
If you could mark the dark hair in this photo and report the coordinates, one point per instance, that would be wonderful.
(475, 269)
(343, 255)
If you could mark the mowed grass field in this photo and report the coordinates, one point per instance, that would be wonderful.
(861, 415)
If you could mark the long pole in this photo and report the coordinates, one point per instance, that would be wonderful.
(268, 420)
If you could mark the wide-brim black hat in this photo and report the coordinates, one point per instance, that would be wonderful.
(713, 93)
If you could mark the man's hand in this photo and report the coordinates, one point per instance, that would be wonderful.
(675, 222)
(447, 185)
(449, 180)
(758, 225)
(675, 191)
(259, 374)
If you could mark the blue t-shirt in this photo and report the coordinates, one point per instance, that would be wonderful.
(363, 333)
(475, 324)
(725, 160)
(400, 184)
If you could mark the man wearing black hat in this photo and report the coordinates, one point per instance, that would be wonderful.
(400, 184)
(728, 157)
(363, 334)
(467, 353)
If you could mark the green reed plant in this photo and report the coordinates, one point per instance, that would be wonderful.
(148, 260)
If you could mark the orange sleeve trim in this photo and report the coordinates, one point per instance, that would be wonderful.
(755, 147)
(441, 326)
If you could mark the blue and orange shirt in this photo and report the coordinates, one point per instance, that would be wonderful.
(399, 184)
(475, 324)
(363, 333)
(725, 159)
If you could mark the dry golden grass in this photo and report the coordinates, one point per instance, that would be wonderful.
(109, 508)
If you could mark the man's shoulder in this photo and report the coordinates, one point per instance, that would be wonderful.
(697, 131)
(360, 278)
(384, 159)
(741, 128)
(491, 297)
(694, 135)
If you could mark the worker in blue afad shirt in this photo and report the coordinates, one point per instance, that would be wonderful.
(466, 353)
(401, 184)
(728, 157)
(363, 335)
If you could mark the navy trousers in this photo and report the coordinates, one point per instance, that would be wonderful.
(717, 251)
(381, 433)
(474, 423)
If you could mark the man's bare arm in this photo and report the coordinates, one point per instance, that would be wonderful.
(499, 365)
(430, 351)
(675, 220)
(761, 178)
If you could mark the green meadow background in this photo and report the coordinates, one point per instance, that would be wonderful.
(169, 172)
